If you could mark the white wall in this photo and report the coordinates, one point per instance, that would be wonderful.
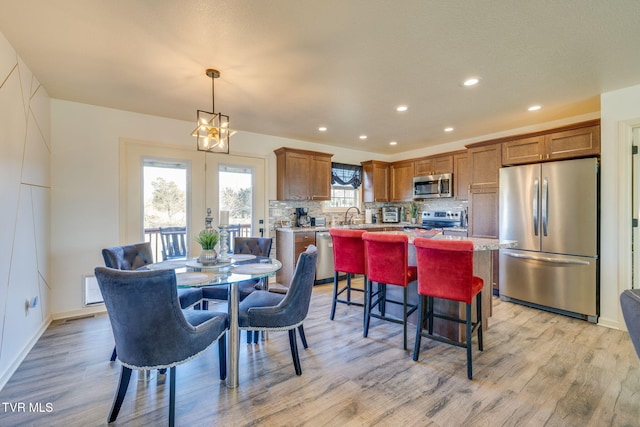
(24, 217)
(85, 180)
(619, 110)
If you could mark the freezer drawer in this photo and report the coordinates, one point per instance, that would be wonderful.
(562, 282)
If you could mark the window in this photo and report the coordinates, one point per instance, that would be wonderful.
(342, 197)
(165, 194)
(345, 183)
(165, 199)
(236, 194)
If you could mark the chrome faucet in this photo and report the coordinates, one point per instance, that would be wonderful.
(347, 222)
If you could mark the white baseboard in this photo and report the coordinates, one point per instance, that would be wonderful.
(610, 323)
(80, 312)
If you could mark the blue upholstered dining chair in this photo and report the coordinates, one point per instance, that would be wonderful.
(258, 246)
(264, 311)
(138, 256)
(630, 304)
(152, 331)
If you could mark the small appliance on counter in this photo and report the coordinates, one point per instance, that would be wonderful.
(390, 214)
(302, 217)
(318, 221)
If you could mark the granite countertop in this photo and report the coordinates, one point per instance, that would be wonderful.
(361, 226)
(354, 227)
(479, 244)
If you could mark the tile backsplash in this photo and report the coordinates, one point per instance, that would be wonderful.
(285, 209)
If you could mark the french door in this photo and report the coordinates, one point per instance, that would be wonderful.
(238, 175)
(202, 189)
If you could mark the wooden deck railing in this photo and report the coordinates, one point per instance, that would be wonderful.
(153, 235)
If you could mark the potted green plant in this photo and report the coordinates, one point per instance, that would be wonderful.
(413, 211)
(208, 239)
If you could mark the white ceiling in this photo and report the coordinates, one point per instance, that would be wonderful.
(289, 66)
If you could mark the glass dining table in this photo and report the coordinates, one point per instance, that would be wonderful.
(190, 273)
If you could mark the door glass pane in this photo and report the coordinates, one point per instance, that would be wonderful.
(236, 195)
(165, 200)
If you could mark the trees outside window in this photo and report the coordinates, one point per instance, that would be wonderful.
(165, 197)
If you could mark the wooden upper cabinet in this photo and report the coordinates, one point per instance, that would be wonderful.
(484, 166)
(565, 144)
(320, 175)
(461, 176)
(303, 175)
(573, 143)
(484, 180)
(434, 165)
(375, 181)
(401, 181)
(525, 150)
(443, 164)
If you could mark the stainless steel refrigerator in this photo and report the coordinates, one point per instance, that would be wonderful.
(551, 209)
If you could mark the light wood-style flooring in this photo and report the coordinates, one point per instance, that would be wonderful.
(537, 369)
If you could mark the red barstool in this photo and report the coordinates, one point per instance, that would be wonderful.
(445, 270)
(386, 258)
(348, 257)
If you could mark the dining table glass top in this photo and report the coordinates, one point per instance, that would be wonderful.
(190, 273)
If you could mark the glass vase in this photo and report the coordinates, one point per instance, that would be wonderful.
(208, 257)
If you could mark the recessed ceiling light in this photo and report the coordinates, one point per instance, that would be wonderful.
(471, 81)
(401, 108)
(534, 107)
(322, 128)
(449, 129)
(363, 136)
(393, 143)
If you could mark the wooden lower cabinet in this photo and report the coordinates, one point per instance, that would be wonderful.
(289, 245)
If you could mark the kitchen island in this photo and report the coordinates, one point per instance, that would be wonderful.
(482, 267)
(291, 241)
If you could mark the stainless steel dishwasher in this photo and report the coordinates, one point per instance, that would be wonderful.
(324, 270)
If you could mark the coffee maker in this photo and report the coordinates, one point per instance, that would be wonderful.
(302, 217)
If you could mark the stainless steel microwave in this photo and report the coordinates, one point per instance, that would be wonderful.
(433, 186)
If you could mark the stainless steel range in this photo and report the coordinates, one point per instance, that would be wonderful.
(442, 219)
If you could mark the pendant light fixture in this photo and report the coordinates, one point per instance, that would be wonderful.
(213, 130)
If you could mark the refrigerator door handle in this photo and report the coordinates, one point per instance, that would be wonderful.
(535, 205)
(545, 207)
(547, 259)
